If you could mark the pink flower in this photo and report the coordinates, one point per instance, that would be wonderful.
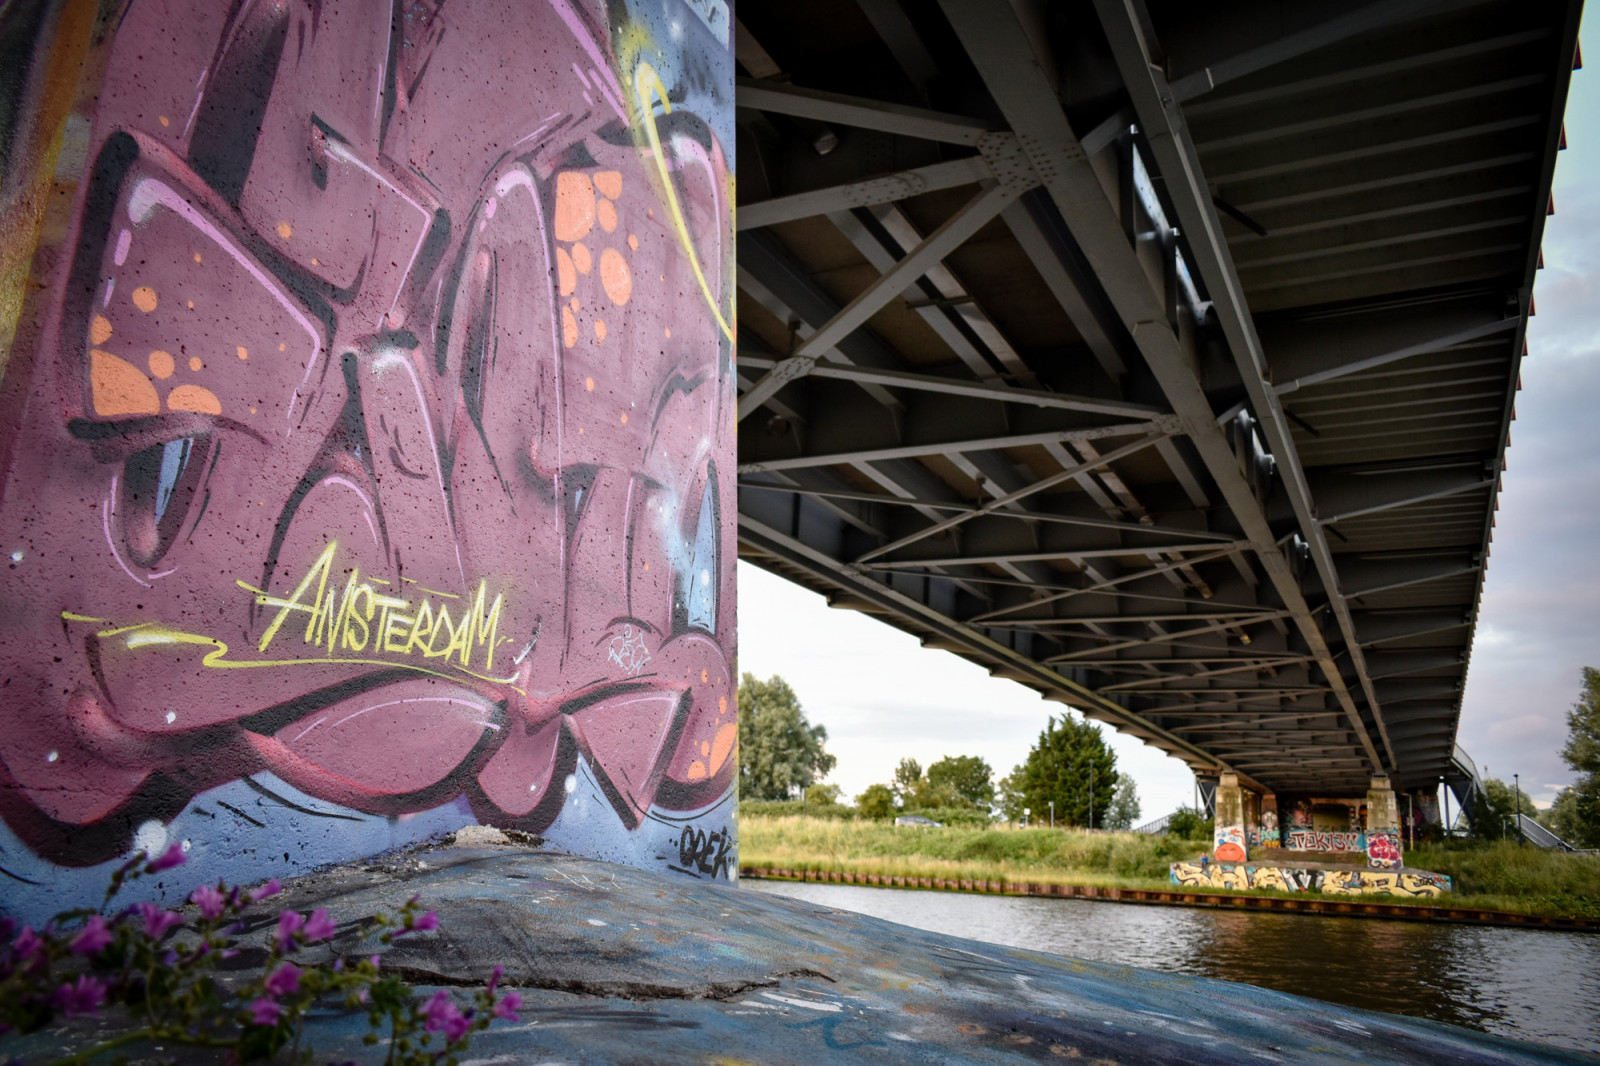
(83, 997)
(506, 1007)
(93, 939)
(289, 923)
(210, 900)
(27, 942)
(173, 856)
(283, 980)
(444, 1016)
(157, 922)
(319, 926)
(265, 1011)
(494, 978)
(420, 924)
(271, 888)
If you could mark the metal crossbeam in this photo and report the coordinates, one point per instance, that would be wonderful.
(881, 189)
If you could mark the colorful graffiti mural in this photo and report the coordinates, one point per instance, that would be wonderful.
(1415, 883)
(369, 431)
(1383, 849)
(1325, 840)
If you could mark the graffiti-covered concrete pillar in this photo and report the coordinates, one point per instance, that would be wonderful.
(366, 440)
(1383, 826)
(1228, 832)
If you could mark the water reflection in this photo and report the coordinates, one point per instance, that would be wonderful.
(1520, 983)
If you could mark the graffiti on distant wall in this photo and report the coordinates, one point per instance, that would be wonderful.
(1229, 843)
(1287, 879)
(376, 430)
(1325, 840)
(1383, 849)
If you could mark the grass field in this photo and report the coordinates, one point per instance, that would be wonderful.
(1499, 876)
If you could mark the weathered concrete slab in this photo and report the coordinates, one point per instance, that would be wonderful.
(622, 965)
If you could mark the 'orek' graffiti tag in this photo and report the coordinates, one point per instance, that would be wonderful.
(704, 852)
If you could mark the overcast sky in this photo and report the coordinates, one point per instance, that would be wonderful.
(883, 697)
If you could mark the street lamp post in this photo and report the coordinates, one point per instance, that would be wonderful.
(1516, 786)
(1052, 814)
(1091, 795)
(1025, 812)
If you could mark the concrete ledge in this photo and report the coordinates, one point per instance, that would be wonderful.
(1347, 906)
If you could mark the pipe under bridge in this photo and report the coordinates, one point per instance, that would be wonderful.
(1161, 357)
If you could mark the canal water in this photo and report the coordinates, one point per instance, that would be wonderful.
(1522, 983)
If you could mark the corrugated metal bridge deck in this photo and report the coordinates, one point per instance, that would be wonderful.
(1160, 356)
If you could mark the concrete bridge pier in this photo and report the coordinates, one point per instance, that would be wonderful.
(1383, 825)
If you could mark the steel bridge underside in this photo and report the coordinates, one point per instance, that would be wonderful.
(1159, 356)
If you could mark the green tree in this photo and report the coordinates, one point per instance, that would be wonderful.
(967, 776)
(823, 795)
(780, 753)
(876, 802)
(1580, 803)
(908, 780)
(1124, 810)
(1068, 756)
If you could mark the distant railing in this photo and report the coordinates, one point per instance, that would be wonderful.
(1157, 826)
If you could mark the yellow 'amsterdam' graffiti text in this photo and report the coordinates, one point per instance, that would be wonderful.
(361, 615)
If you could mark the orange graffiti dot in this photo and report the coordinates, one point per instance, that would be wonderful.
(581, 258)
(647, 567)
(281, 347)
(722, 705)
(119, 387)
(722, 746)
(285, 230)
(588, 384)
(574, 205)
(606, 211)
(633, 242)
(971, 1029)
(161, 364)
(197, 257)
(705, 675)
(191, 305)
(573, 303)
(314, 261)
(244, 353)
(195, 363)
(599, 329)
(194, 398)
(144, 298)
(164, 120)
(252, 410)
(99, 330)
(609, 182)
(569, 327)
(566, 273)
(580, 431)
(624, 419)
(615, 276)
(650, 211)
(705, 747)
(696, 771)
(669, 331)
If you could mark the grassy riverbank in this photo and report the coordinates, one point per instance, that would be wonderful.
(1500, 876)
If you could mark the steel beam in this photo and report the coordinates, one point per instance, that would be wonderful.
(1001, 51)
(882, 189)
(860, 113)
(970, 218)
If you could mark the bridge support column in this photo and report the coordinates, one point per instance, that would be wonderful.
(1383, 825)
(1228, 837)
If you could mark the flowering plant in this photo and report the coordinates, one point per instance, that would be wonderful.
(161, 972)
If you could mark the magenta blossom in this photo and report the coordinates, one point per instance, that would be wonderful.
(93, 939)
(506, 1007)
(289, 923)
(271, 888)
(265, 1011)
(283, 980)
(210, 900)
(173, 856)
(82, 997)
(420, 924)
(494, 978)
(444, 1016)
(157, 922)
(319, 926)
